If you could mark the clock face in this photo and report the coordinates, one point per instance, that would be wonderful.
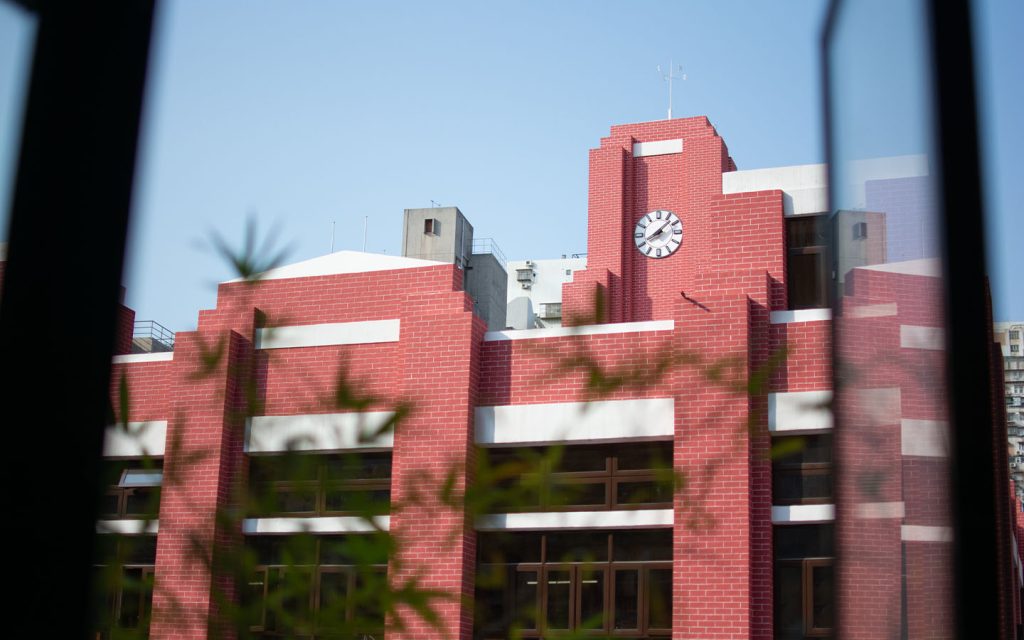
(658, 234)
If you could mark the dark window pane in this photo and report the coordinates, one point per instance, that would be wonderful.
(332, 600)
(578, 493)
(591, 597)
(138, 549)
(559, 585)
(806, 280)
(296, 500)
(654, 455)
(142, 501)
(643, 492)
(643, 545)
(583, 459)
(788, 596)
(132, 590)
(792, 486)
(806, 231)
(110, 504)
(525, 598)
(509, 547)
(283, 550)
(627, 599)
(253, 598)
(822, 594)
(804, 541)
(578, 546)
(362, 549)
(368, 612)
(364, 466)
(659, 599)
(796, 450)
(287, 467)
(492, 616)
(354, 499)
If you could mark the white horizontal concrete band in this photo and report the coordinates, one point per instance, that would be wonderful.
(913, 337)
(659, 148)
(800, 315)
(804, 513)
(799, 411)
(925, 533)
(804, 187)
(605, 420)
(128, 358)
(928, 267)
(318, 432)
(631, 519)
(321, 335)
(872, 310)
(341, 262)
(928, 438)
(128, 527)
(585, 330)
(335, 524)
(135, 439)
(880, 510)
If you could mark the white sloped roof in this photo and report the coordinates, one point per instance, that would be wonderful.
(343, 262)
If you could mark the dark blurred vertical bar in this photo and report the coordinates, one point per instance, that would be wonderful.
(975, 476)
(69, 219)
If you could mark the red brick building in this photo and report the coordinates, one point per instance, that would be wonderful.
(698, 336)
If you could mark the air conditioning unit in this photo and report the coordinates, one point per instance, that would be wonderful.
(551, 310)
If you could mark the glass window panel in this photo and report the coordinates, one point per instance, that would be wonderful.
(577, 546)
(791, 486)
(627, 599)
(806, 273)
(822, 596)
(559, 588)
(142, 478)
(492, 615)
(354, 499)
(138, 549)
(643, 545)
(132, 591)
(365, 466)
(591, 585)
(254, 596)
(579, 493)
(368, 612)
(655, 455)
(142, 502)
(804, 541)
(332, 599)
(296, 500)
(583, 459)
(525, 598)
(796, 450)
(788, 597)
(806, 231)
(509, 547)
(110, 504)
(659, 599)
(643, 492)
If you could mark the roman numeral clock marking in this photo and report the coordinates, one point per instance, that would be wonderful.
(658, 234)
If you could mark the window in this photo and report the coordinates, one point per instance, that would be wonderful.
(1014, 348)
(538, 584)
(806, 268)
(804, 582)
(636, 476)
(323, 586)
(319, 484)
(1015, 335)
(432, 226)
(133, 488)
(123, 584)
(802, 470)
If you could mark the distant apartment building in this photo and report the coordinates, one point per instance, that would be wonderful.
(1010, 336)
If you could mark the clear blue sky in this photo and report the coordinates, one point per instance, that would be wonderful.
(303, 113)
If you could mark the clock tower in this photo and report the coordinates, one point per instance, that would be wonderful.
(661, 231)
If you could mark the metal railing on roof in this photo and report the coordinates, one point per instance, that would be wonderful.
(149, 336)
(488, 245)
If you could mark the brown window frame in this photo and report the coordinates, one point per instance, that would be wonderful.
(577, 570)
(123, 493)
(320, 487)
(807, 566)
(316, 571)
(782, 467)
(610, 477)
(821, 295)
(116, 598)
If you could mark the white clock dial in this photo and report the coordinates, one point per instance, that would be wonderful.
(658, 234)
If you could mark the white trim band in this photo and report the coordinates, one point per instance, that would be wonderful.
(627, 519)
(800, 315)
(925, 533)
(913, 337)
(585, 330)
(336, 524)
(872, 310)
(804, 513)
(928, 438)
(135, 439)
(606, 420)
(657, 148)
(880, 510)
(799, 411)
(128, 527)
(319, 432)
(321, 335)
(128, 358)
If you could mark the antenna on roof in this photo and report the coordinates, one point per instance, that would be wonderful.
(669, 77)
(434, 203)
(365, 220)
(332, 236)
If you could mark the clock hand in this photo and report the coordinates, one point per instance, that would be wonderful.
(660, 230)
